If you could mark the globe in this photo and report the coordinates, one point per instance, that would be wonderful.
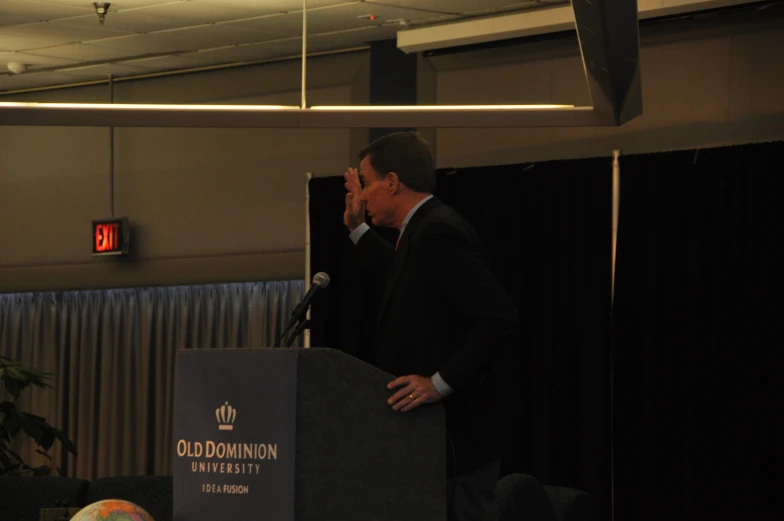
(112, 510)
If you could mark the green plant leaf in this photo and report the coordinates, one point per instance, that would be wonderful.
(11, 424)
(47, 440)
(32, 427)
(5, 459)
(43, 470)
(13, 470)
(14, 378)
(12, 386)
(16, 371)
(67, 444)
(44, 454)
(15, 454)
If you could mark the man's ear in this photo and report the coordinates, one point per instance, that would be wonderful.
(393, 183)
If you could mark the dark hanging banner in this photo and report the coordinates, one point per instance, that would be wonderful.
(234, 434)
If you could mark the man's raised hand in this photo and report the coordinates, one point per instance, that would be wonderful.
(355, 208)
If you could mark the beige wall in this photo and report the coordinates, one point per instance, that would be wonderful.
(214, 205)
(207, 205)
(705, 83)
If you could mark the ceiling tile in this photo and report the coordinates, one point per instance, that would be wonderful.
(85, 52)
(134, 21)
(456, 6)
(195, 12)
(7, 21)
(186, 40)
(32, 60)
(117, 5)
(339, 18)
(26, 81)
(10, 42)
(245, 53)
(103, 70)
(279, 6)
(142, 44)
(54, 33)
(353, 38)
(434, 18)
(35, 11)
(484, 10)
(292, 47)
(268, 23)
(162, 63)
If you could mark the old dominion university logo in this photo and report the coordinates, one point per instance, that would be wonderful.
(225, 456)
(226, 414)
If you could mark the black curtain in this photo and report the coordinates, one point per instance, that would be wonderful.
(546, 227)
(697, 415)
(693, 335)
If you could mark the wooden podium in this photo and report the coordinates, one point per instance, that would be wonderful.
(300, 435)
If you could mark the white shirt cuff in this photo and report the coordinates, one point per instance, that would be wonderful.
(441, 386)
(358, 232)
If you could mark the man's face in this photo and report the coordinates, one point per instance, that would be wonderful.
(376, 194)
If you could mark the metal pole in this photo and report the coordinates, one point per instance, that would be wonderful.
(616, 183)
(111, 150)
(616, 192)
(303, 101)
(308, 177)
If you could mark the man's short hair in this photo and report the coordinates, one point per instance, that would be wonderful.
(408, 155)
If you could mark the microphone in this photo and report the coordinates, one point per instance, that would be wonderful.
(320, 281)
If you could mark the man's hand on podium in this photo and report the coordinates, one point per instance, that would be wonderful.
(415, 391)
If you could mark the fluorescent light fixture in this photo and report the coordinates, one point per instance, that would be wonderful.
(255, 108)
(284, 116)
(436, 108)
(142, 106)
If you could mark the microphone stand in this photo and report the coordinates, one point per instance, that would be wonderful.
(298, 316)
(285, 331)
(305, 324)
(299, 326)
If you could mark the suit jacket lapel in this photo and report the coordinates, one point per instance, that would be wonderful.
(399, 259)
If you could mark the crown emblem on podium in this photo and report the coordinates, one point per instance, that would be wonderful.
(226, 414)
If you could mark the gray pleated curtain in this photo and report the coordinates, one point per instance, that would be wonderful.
(112, 353)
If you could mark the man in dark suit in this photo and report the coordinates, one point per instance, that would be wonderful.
(443, 319)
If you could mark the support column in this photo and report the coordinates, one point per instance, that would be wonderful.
(393, 80)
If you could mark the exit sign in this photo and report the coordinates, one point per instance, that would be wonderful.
(111, 237)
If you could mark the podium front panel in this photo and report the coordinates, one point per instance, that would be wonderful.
(300, 434)
(234, 434)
